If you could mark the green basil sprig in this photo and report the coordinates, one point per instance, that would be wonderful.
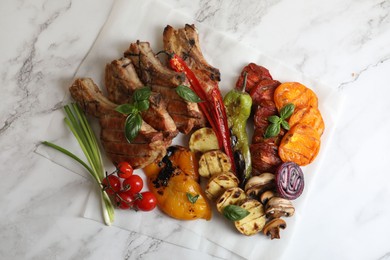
(234, 212)
(273, 128)
(187, 94)
(192, 198)
(140, 102)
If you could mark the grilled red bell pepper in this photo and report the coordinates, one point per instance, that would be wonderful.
(212, 107)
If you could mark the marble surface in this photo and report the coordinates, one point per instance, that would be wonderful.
(343, 44)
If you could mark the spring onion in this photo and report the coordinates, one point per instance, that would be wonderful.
(78, 124)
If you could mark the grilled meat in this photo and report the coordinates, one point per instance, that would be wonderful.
(147, 147)
(168, 113)
(185, 43)
(121, 81)
(186, 115)
(152, 72)
(150, 69)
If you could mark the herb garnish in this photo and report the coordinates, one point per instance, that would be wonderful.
(140, 102)
(234, 212)
(187, 94)
(192, 198)
(82, 131)
(274, 128)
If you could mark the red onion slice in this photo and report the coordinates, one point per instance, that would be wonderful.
(289, 180)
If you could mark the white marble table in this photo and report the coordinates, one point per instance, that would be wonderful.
(344, 44)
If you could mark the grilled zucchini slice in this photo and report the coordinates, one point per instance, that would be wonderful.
(255, 221)
(231, 196)
(219, 183)
(203, 140)
(213, 162)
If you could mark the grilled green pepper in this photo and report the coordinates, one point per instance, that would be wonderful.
(238, 109)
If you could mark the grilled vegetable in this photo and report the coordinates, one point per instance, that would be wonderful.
(278, 207)
(82, 131)
(203, 140)
(272, 228)
(238, 109)
(212, 107)
(309, 116)
(258, 184)
(219, 183)
(173, 181)
(289, 180)
(213, 162)
(231, 196)
(300, 145)
(295, 93)
(255, 221)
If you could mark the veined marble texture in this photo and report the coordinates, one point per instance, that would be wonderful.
(344, 44)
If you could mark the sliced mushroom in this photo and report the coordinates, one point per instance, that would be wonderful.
(278, 207)
(266, 196)
(272, 228)
(258, 184)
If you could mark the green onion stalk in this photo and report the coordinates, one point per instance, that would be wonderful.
(78, 124)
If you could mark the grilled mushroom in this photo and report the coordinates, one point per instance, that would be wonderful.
(273, 227)
(258, 184)
(266, 196)
(278, 207)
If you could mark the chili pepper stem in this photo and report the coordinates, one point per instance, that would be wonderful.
(244, 83)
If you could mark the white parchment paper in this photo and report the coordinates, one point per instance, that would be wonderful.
(217, 237)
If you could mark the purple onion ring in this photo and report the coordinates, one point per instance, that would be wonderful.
(289, 180)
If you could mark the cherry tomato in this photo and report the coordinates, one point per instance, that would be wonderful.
(147, 201)
(124, 200)
(133, 184)
(111, 184)
(125, 170)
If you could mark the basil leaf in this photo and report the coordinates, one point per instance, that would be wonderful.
(287, 111)
(234, 212)
(272, 130)
(142, 105)
(192, 198)
(126, 109)
(187, 94)
(141, 94)
(274, 119)
(132, 126)
(285, 125)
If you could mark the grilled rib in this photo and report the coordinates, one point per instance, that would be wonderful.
(121, 81)
(147, 147)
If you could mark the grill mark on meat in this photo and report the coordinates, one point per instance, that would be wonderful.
(186, 115)
(137, 161)
(150, 69)
(121, 81)
(140, 67)
(185, 43)
(91, 99)
(158, 116)
(149, 143)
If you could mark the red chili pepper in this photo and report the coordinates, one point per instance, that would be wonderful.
(179, 65)
(213, 107)
(222, 122)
